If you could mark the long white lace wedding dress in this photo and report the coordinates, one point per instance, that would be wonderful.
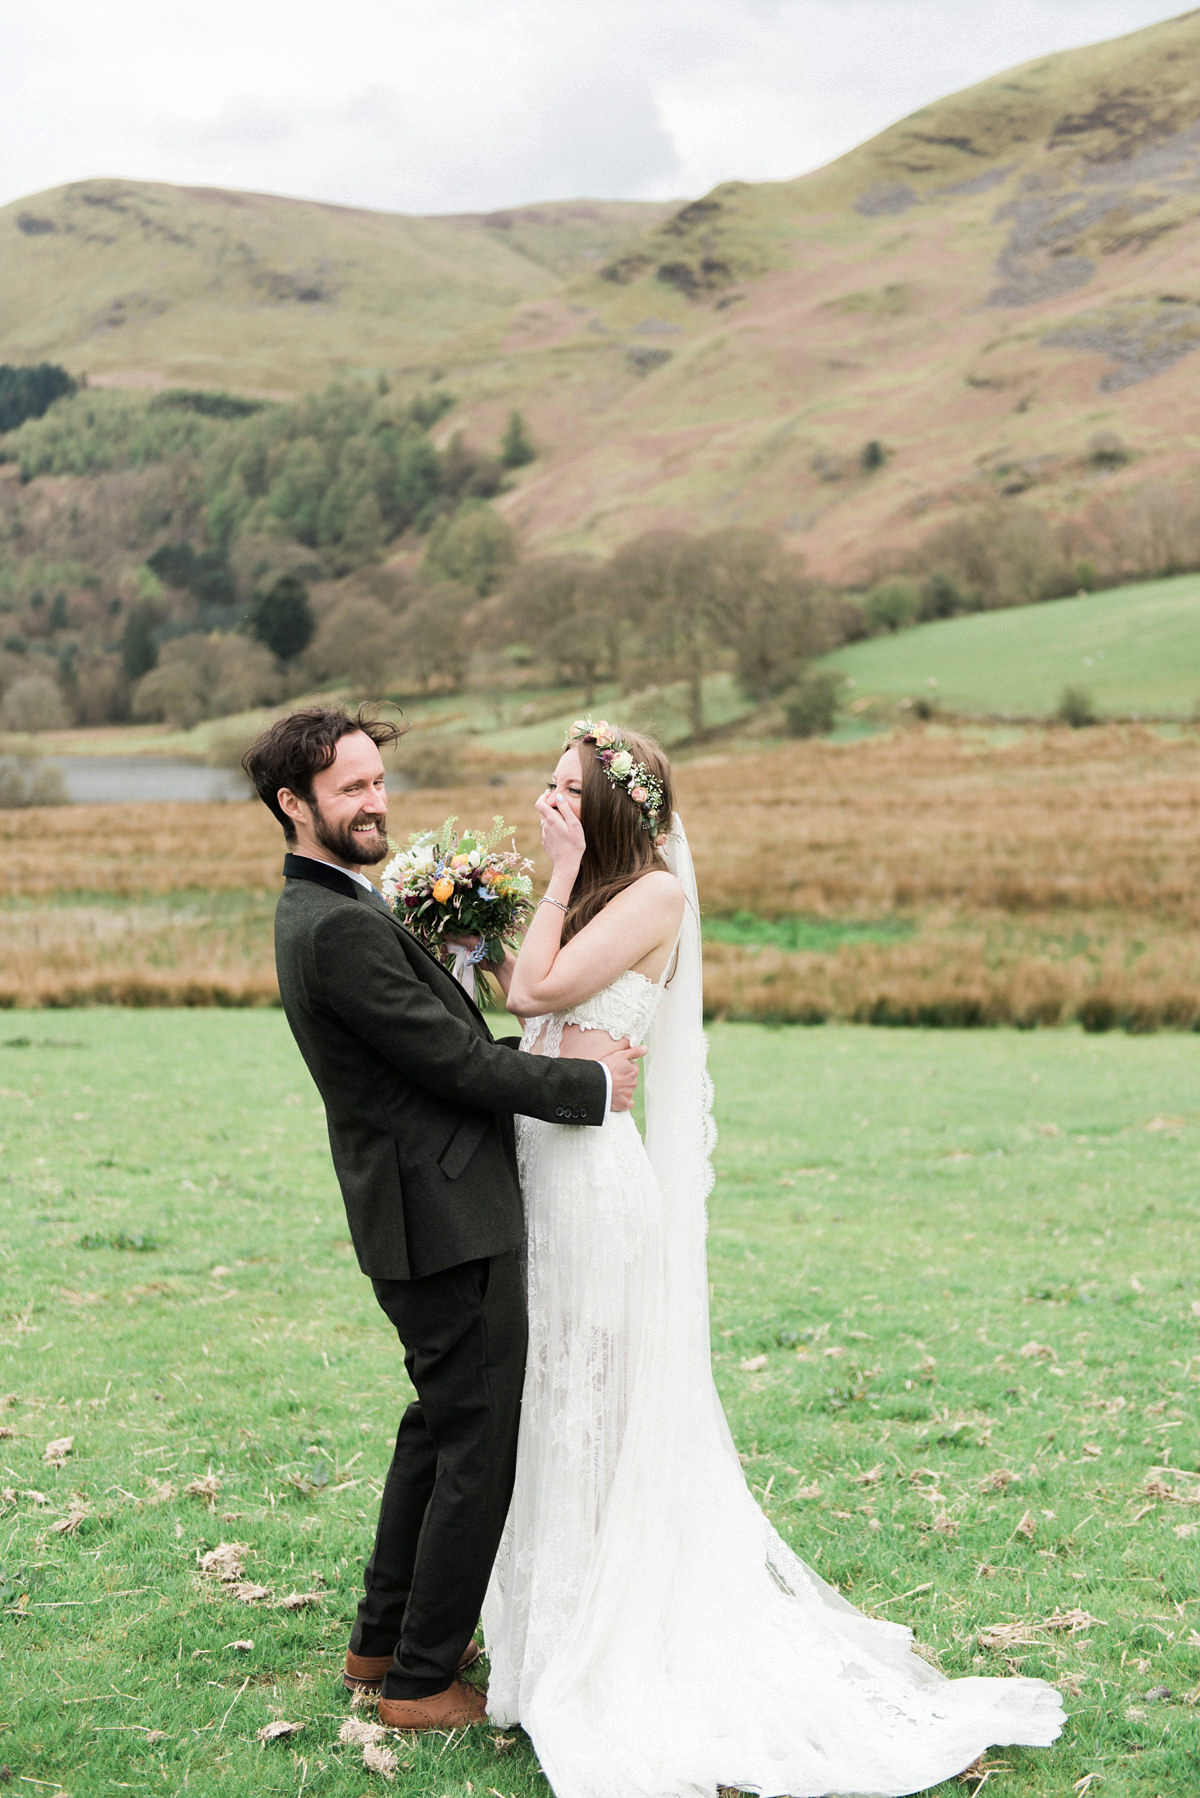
(646, 1625)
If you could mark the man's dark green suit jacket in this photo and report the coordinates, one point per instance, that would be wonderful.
(418, 1097)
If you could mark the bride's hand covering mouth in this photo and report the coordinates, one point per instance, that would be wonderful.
(562, 833)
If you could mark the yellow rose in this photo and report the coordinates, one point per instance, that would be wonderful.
(443, 889)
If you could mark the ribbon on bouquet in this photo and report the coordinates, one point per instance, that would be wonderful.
(465, 963)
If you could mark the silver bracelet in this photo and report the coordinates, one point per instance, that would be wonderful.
(547, 900)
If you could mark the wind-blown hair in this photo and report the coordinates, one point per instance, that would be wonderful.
(290, 752)
(619, 850)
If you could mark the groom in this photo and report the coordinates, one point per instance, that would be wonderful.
(419, 1103)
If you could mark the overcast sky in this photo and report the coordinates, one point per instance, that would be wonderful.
(463, 105)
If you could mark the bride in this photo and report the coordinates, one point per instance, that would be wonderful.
(647, 1627)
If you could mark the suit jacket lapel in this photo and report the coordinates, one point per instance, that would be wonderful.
(432, 959)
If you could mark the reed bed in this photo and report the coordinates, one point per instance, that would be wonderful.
(137, 850)
(964, 976)
(139, 953)
(1050, 877)
(1047, 822)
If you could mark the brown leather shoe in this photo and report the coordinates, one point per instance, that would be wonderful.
(364, 1672)
(457, 1707)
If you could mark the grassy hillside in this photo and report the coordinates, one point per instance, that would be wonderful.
(1135, 649)
(139, 283)
(982, 290)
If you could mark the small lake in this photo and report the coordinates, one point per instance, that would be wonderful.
(112, 779)
(115, 779)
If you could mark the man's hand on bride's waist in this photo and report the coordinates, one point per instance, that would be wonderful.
(622, 1064)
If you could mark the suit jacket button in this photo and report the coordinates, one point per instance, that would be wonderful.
(558, 1111)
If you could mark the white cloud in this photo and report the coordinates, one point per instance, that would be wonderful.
(378, 147)
(472, 104)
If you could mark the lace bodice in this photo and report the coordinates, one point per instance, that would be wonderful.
(625, 1008)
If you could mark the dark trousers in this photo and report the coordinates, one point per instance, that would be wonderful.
(451, 1478)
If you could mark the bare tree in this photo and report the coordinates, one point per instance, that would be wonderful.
(432, 635)
(660, 583)
(34, 702)
(563, 607)
(358, 640)
(763, 607)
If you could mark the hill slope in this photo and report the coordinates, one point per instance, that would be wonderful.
(981, 289)
(979, 292)
(1134, 649)
(138, 283)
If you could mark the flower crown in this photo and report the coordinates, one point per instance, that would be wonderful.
(623, 769)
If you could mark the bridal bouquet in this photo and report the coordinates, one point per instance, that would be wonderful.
(445, 884)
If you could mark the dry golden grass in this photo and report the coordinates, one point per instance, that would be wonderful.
(1051, 877)
(1055, 876)
(130, 850)
(964, 976)
(1052, 822)
(141, 953)
(162, 904)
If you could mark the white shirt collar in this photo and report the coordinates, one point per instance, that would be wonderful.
(351, 873)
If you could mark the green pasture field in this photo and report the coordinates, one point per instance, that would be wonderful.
(518, 723)
(1135, 649)
(814, 936)
(956, 1318)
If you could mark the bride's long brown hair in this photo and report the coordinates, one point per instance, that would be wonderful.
(619, 847)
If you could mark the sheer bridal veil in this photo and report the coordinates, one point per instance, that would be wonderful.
(680, 1131)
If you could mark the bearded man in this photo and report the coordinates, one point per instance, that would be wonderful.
(419, 1102)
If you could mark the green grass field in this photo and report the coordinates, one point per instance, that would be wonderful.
(500, 726)
(1134, 649)
(957, 1330)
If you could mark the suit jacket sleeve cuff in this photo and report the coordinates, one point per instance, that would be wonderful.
(607, 1089)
